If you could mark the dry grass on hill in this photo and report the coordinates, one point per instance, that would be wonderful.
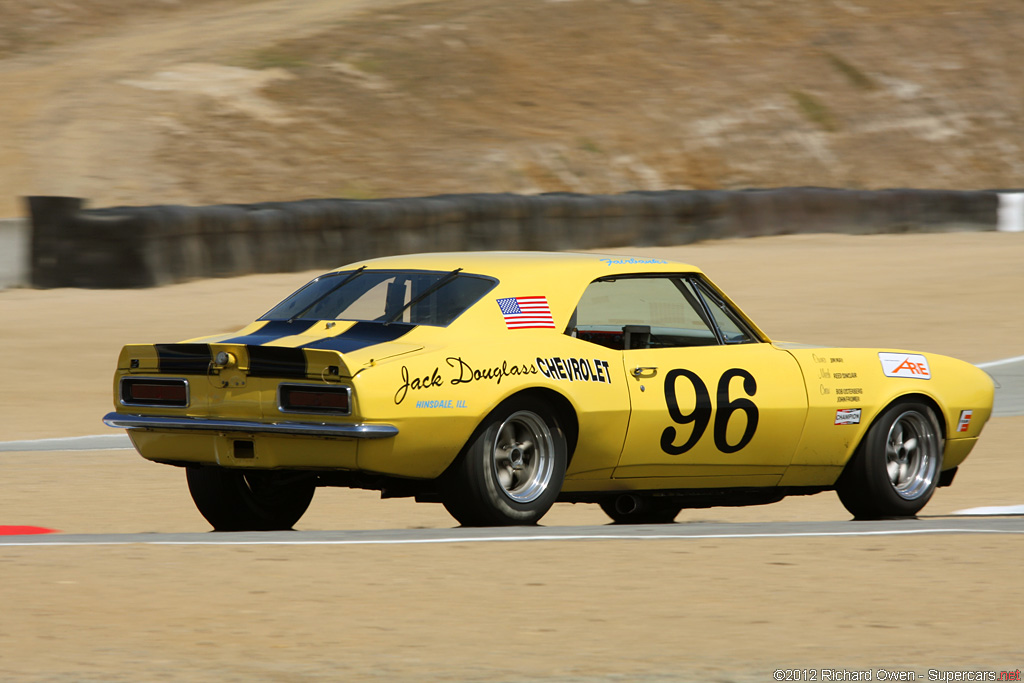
(196, 102)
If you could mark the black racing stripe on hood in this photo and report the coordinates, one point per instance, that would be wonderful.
(361, 335)
(276, 361)
(183, 359)
(272, 331)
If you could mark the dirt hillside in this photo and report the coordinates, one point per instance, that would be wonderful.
(231, 101)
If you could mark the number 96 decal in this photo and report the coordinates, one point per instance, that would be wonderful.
(700, 417)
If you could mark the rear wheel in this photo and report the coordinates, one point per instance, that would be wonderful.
(512, 471)
(233, 500)
(631, 509)
(896, 468)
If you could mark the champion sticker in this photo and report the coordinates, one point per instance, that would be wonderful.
(911, 365)
(848, 416)
(965, 420)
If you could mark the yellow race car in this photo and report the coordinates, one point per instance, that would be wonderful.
(498, 383)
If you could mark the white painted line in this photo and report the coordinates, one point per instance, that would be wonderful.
(518, 539)
(993, 510)
(99, 442)
(1005, 361)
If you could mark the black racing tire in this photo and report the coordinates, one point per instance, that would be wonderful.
(511, 471)
(251, 500)
(641, 510)
(896, 468)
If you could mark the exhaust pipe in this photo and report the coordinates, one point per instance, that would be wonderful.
(627, 504)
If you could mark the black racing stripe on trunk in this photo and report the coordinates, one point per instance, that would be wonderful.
(276, 361)
(361, 335)
(183, 359)
(272, 331)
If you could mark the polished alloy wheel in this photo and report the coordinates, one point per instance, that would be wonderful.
(522, 458)
(911, 454)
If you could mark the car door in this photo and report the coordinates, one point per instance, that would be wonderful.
(708, 397)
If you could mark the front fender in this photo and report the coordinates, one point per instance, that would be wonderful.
(848, 388)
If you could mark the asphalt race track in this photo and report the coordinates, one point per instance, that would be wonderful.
(110, 573)
(1008, 375)
(1013, 524)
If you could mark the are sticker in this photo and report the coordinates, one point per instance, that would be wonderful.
(965, 420)
(911, 365)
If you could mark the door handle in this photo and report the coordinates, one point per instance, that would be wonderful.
(639, 371)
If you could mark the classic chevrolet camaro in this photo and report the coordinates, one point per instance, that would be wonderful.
(499, 383)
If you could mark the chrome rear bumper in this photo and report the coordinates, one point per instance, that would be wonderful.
(202, 424)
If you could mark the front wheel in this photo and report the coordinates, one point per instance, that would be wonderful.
(896, 467)
(235, 500)
(512, 471)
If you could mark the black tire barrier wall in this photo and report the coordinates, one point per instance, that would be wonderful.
(148, 246)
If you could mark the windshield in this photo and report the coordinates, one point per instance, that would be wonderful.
(385, 296)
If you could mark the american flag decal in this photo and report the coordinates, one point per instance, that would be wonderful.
(526, 312)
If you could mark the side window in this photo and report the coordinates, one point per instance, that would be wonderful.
(734, 330)
(642, 312)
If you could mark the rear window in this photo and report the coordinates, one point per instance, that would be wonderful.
(419, 297)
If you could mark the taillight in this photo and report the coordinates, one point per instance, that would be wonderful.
(145, 391)
(311, 398)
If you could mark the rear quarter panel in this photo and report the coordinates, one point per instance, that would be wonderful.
(438, 397)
